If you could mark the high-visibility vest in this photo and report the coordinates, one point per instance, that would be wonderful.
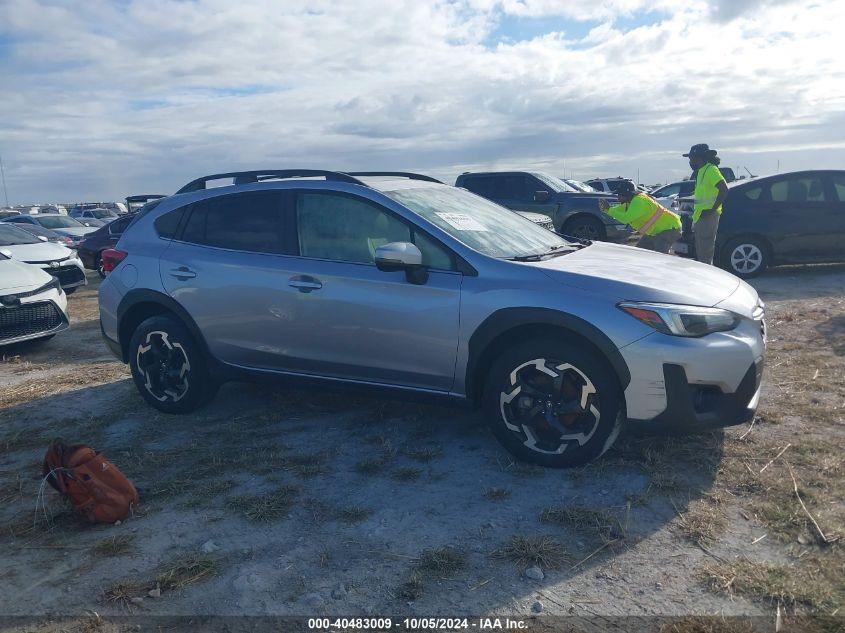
(645, 215)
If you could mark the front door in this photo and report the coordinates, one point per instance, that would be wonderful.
(351, 320)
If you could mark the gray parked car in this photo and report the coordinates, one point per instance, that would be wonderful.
(408, 284)
(573, 212)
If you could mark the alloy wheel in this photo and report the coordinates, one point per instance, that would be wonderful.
(746, 258)
(550, 405)
(164, 366)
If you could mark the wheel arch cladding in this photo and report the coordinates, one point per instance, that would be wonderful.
(512, 325)
(139, 305)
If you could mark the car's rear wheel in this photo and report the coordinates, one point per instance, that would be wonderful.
(553, 403)
(745, 257)
(585, 227)
(168, 367)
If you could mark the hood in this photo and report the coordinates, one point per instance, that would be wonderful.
(635, 274)
(17, 277)
(537, 218)
(76, 231)
(41, 252)
(583, 195)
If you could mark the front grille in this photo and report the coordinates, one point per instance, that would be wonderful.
(28, 319)
(67, 275)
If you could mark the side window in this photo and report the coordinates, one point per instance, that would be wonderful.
(839, 186)
(805, 189)
(513, 187)
(345, 229)
(670, 190)
(481, 186)
(752, 193)
(166, 225)
(250, 221)
(116, 227)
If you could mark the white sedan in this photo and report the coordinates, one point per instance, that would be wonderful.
(57, 260)
(32, 304)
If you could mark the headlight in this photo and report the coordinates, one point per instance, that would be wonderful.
(681, 320)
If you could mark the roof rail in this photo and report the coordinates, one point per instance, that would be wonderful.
(244, 177)
(401, 174)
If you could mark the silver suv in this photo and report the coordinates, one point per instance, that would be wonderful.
(398, 281)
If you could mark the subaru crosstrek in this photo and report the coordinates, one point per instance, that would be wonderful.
(399, 281)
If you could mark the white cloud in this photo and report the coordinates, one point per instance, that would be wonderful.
(101, 99)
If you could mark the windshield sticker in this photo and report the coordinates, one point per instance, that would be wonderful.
(462, 222)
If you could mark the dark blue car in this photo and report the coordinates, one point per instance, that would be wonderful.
(791, 218)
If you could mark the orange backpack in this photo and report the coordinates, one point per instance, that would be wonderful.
(95, 486)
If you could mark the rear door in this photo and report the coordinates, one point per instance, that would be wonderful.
(835, 245)
(350, 320)
(229, 266)
(801, 215)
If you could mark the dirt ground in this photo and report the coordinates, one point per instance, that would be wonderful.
(280, 501)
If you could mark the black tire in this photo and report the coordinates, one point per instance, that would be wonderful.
(745, 257)
(98, 264)
(168, 366)
(544, 434)
(584, 226)
(70, 291)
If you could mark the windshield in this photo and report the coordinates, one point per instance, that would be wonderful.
(554, 182)
(480, 224)
(57, 222)
(102, 214)
(583, 187)
(11, 235)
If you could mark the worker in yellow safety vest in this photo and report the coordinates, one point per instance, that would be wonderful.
(710, 191)
(658, 226)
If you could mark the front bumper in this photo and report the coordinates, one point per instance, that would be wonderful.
(32, 317)
(683, 384)
(697, 408)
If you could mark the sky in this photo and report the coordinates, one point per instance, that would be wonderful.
(103, 99)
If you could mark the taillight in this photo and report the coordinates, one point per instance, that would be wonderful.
(111, 257)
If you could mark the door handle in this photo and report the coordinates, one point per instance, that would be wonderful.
(182, 273)
(304, 283)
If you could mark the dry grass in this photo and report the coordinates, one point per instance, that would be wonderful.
(816, 583)
(406, 474)
(711, 624)
(423, 454)
(587, 521)
(443, 562)
(496, 494)
(115, 546)
(543, 551)
(266, 507)
(185, 571)
(40, 387)
(411, 589)
(704, 520)
(122, 593)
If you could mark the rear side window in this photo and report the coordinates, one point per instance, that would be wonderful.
(481, 186)
(839, 186)
(250, 221)
(116, 227)
(805, 189)
(166, 225)
(752, 193)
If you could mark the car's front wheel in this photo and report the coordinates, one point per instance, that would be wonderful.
(553, 403)
(584, 226)
(745, 257)
(168, 367)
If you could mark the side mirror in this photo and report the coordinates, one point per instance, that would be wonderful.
(542, 196)
(402, 256)
(42, 238)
